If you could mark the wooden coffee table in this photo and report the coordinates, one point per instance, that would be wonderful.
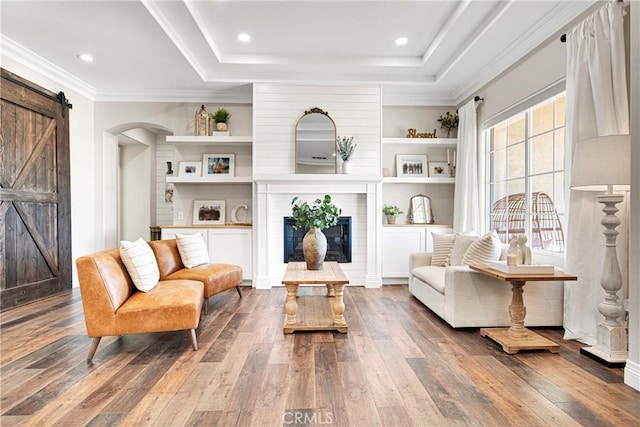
(321, 313)
(517, 337)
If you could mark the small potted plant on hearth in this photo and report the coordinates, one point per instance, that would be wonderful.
(391, 213)
(317, 216)
(221, 116)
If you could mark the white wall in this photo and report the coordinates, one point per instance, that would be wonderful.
(356, 111)
(632, 368)
(84, 229)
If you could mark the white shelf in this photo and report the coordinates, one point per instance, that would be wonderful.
(418, 180)
(210, 140)
(426, 142)
(210, 180)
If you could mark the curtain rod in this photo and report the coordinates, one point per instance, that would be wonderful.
(563, 38)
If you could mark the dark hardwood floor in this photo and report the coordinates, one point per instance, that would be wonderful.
(399, 365)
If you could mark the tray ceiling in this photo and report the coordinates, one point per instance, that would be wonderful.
(188, 50)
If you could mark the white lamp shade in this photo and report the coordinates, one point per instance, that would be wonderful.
(600, 162)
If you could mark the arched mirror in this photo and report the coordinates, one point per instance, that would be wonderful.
(420, 210)
(316, 143)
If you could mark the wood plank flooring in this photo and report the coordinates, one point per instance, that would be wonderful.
(399, 365)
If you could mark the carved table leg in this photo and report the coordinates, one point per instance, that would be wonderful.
(291, 307)
(517, 311)
(338, 308)
(331, 292)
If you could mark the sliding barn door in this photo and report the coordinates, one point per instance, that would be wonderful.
(35, 223)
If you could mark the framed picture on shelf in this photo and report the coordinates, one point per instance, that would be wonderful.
(439, 170)
(210, 212)
(411, 165)
(218, 164)
(190, 169)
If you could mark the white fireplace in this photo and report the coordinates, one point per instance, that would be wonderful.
(359, 196)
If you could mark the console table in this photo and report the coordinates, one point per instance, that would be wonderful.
(321, 313)
(517, 337)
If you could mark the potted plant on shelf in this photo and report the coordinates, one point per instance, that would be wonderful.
(317, 216)
(345, 147)
(221, 116)
(448, 122)
(391, 212)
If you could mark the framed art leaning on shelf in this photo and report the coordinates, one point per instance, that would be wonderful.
(210, 212)
(411, 165)
(218, 164)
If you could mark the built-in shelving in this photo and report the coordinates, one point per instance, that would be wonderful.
(210, 180)
(426, 142)
(419, 180)
(210, 140)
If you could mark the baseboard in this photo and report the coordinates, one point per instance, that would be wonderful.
(632, 375)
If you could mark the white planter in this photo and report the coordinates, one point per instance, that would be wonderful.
(346, 167)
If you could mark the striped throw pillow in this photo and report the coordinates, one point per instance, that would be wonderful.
(442, 244)
(192, 249)
(141, 264)
(486, 248)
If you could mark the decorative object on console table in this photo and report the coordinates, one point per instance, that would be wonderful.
(603, 164)
(218, 164)
(391, 212)
(210, 212)
(439, 170)
(189, 169)
(345, 147)
(449, 122)
(221, 116)
(411, 165)
(202, 122)
(322, 214)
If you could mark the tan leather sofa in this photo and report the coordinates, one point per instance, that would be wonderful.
(215, 277)
(113, 306)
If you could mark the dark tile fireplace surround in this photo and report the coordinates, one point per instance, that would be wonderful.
(338, 241)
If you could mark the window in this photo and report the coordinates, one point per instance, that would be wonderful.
(526, 175)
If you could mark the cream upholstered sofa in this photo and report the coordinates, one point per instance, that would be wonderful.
(467, 298)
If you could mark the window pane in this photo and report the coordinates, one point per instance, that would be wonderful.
(542, 118)
(542, 184)
(517, 159)
(559, 149)
(558, 187)
(560, 103)
(542, 153)
(516, 129)
(499, 172)
(499, 136)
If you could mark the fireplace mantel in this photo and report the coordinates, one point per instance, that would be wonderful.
(274, 186)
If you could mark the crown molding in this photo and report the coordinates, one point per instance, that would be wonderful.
(237, 96)
(34, 62)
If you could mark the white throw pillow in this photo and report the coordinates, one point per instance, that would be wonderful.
(460, 246)
(141, 264)
(442, 245)
(486, 248)
(193, 250)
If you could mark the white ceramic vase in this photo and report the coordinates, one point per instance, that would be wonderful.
(346, 167)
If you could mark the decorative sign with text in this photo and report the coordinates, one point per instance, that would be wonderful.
(412, 133)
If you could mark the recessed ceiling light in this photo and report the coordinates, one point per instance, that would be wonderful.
(244, 37)
(402, 41)
(85, 57)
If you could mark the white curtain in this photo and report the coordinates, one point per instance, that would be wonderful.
(466, 209)
(596, 105)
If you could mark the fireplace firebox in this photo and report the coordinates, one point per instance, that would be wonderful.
(338, 241)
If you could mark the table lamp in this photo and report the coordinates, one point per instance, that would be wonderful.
(603, 164)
